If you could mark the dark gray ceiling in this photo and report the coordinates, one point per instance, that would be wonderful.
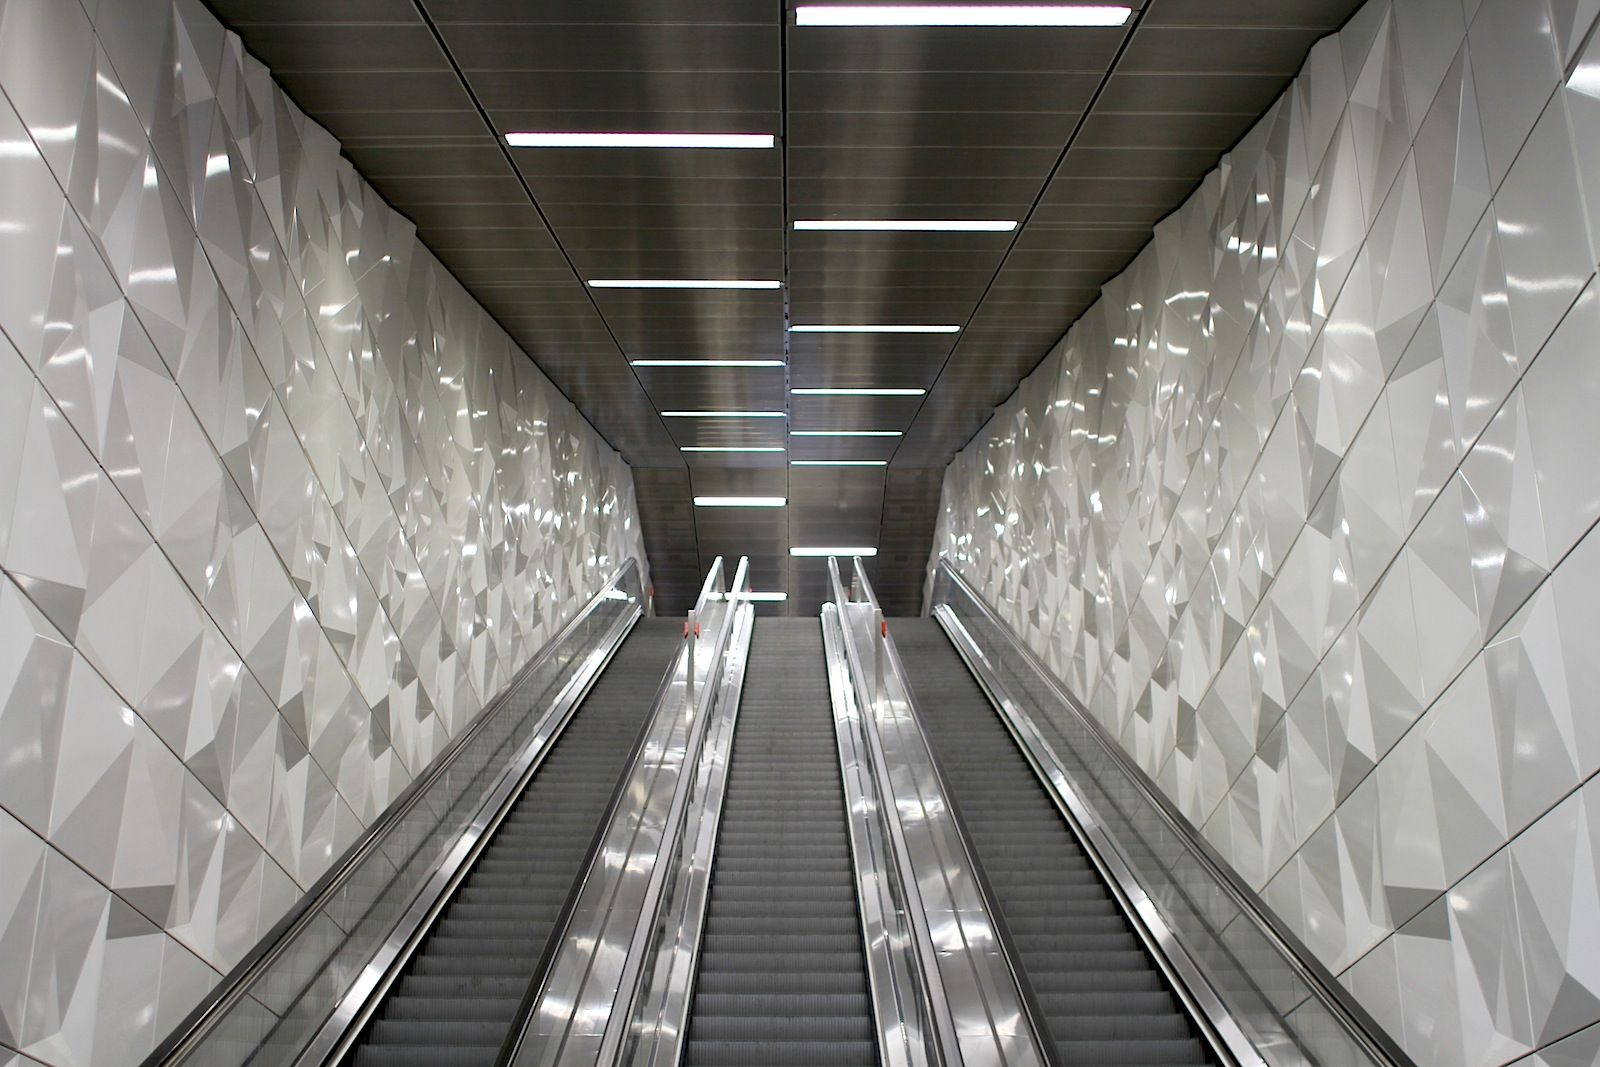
(1088, 136)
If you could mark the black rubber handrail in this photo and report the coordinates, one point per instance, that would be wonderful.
(236, 983)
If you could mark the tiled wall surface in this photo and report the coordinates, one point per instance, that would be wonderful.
(280, 509)
(1303, 509)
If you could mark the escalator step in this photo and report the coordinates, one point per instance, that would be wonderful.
(457, 999)
(782, 976)
(1102, 997)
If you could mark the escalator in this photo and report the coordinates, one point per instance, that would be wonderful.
(782, 977)
(458, 996)
(1101, 997)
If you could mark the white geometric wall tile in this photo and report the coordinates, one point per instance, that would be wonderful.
(1318, 575)
(1547, 257)
(257, 571)
(1581, 1049)
(1516, 68)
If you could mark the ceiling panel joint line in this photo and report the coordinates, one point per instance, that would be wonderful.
(1131, 27)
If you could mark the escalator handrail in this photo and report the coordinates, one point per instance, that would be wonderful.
(719, 684)
(1035, 1018)
(901, 1043)
(1318, 981)
(236, 984)
(540, 977)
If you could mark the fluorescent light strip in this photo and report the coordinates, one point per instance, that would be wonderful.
(761, 596)
(739, 501)
(864, 550)
(682, 283)
(875, 329)
(844, 433)
(838, 463)
(731, 448)
(708, 363)
(723, 414)
(962, 15)
(910, 225)
(639, 140)
(858, 392)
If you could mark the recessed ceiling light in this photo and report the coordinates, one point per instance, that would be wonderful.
(874, 329)
(962, 15)
(723, 414)
(683, 283)
(858, 392)
(731, 448)
(911, 225)
(864, 550)
(739, 501)
(639, 140)
(839, 463)
(707, 363)
(844, 433)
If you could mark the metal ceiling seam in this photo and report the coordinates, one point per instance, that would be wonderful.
(1132, 27)
(522, 181)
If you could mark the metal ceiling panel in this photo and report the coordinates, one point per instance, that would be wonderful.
(1088, 137)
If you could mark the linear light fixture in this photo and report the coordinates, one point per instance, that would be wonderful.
(858, 392)
(864, 550)
(739, 501)
(707, 363)
(874, 329)
(762, 596)
(838, 463)
(575, 139)
(731, 448)
(723, 414)
(683, 283)
(844, 433)
(962, 15)
(910, 225)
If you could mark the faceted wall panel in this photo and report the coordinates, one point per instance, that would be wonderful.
(281, 508)
(1303, 510)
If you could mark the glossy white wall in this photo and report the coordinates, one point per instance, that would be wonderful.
(1302, 509)
(280, 509)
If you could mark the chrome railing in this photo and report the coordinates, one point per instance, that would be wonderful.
(1249, 983)
(581, 1006)
(902, 1003)
(653, 1011)
(980, 1010)
(309, 983)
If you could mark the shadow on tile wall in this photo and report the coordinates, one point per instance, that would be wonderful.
(1302, 510)
(280, 509)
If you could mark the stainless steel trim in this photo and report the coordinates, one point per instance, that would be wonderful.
(1057, 780)
(602, 949)
(1180, 970)
(656, 1010)
(186, 1038)
(980, 1007)
(902, 1006)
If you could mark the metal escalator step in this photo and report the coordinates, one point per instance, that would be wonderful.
(781, 1053)
(782, 977)
(1102, 998)
(456, 1000)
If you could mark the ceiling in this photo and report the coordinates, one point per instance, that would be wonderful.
(1085, 136)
